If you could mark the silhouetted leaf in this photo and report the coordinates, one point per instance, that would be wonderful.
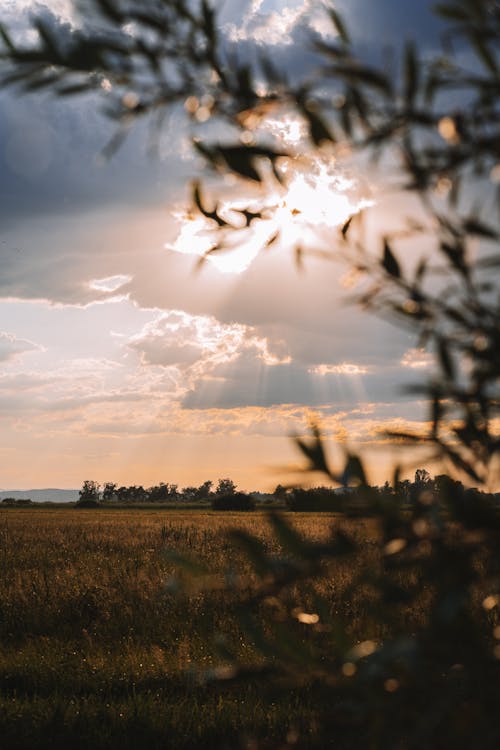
(354, 471)
(314, 452)
(476, 227)
(339, 25)
(272, 239)
(318, 130)
(290, 540)
(389, 261)
(445, 359)
(6, 38)
(254, 549)
(346, 226)
(110, 10)
(209, 21)
(484, 53)
(450, 12)
(411, 68)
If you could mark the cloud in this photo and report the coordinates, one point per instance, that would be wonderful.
(110, 283)
(12, 347)
(199, 345)
(276, 25)
(345, 368)
(417, 359)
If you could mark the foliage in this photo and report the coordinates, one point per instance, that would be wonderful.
(232, 501)
(90, 494)
(19, 502)
(225, 486)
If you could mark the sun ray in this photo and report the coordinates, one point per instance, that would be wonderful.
(316, 199)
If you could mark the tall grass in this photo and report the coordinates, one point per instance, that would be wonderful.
(96, 646)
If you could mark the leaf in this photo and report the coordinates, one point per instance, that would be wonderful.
(299, 261)
(451, 12)
(354, 471)
(241, 163)
(445, 359)
(405, 436)
(456, 255)
(436, 413)
(289, 539)
(314, 452)
(109, 10)
(6, 38)
(38, 83)
(492, 261)
(318, 130)
(421, 270)
(476, 227)
(75, 88)
(240, 159)
(460, 463)
(362, 74)
(272, 239)
(273, 75)
(411, 69)
(389, 261)
(346, 227)
(197, 196)
(114, 143)
(254, 550)
(48, 39)
(205, 151)
(339, 25)
(208, 22)
(483, 51)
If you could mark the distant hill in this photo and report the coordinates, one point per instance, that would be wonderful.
(42, 496)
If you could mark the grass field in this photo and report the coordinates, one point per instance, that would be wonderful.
(95, 647)
(101, 647)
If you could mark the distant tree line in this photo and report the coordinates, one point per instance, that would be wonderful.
(405, 492)
(314, 499)
(17, 502)
(224, 497)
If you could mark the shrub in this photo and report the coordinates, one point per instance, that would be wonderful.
(88, 503)
(233, 501)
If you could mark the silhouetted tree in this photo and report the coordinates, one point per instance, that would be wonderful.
(90, 492)
(225, 487)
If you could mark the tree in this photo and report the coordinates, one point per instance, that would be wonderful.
(109, 492)
(280, 492)
(422, 477)
(89, 493)
(232, 501)
(225, 487)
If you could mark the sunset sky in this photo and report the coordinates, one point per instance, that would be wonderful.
(119, 361)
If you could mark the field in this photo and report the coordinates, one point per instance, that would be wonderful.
(96, 647)
(106, 641)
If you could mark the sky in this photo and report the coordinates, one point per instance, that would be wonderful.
(120, 359)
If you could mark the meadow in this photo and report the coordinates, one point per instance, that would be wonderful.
(107, 641)
(98, 650)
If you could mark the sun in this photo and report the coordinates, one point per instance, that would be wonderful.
(317, 198)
